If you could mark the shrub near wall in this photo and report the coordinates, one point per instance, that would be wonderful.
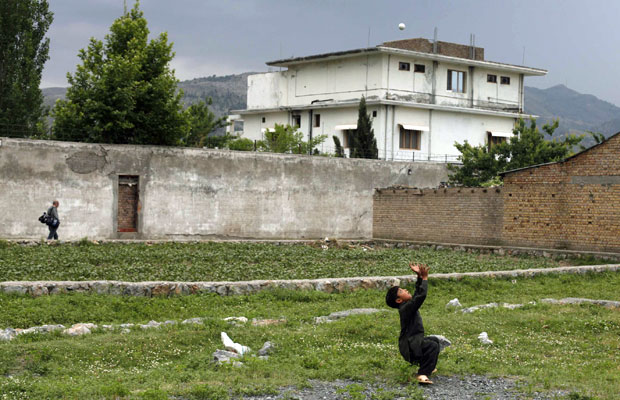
(454, 215)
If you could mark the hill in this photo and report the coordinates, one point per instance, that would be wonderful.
(577, 112)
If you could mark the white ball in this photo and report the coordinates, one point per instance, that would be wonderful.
(401, 26)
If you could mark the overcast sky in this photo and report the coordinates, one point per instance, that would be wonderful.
(577, 41)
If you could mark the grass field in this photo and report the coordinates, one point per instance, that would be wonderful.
(572, 348)
(238, 261)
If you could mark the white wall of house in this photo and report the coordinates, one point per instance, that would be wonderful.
(450, 127)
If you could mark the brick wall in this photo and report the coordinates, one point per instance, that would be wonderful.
(574, 204)
(443, 215)
(444, 48)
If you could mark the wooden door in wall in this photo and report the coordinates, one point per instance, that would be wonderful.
(128, 198)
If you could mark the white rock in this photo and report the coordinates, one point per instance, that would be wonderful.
(232, 346)
(170, 322)
(126, 325)
(151, 324)
(266, 349)
(193, 321)
(479, 307)
(484, 338)
(443, 341)
(7, 334)
(79, 329)
(454, 303)
(223, 356)
(511, 306)
(236, 320)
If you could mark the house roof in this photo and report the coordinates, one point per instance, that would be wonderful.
(419, 48)
(558, 162)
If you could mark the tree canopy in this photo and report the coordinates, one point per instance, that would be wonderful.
(364, 144)
(528, 146)
(124, 91)
(286, 139)
(202, 122)
(23, 52)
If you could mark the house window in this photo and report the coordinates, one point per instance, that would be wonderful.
(505, 80)
(456, 81)
(404, 66)
(317, 120)
(347, 137)
(410, 139)
(297, 121)
(374, 113)
(263, 120)
(491, 78)
(494, 140)
(419, 68)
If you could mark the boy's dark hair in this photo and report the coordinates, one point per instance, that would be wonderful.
(391, 296)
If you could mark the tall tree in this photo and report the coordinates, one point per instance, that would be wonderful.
(528, 146)
(202, 122)
(23, 52)
(124, 91)
(364, 143)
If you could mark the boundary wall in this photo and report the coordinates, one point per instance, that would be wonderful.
(573, 204)
(191, 193)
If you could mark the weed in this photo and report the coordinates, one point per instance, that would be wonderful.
(206, 392)
(238, 261)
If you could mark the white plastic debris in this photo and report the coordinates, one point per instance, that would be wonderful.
(454, 303)
(232, 346)
(484, 338)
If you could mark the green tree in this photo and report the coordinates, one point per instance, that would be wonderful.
(528, 146)
(23, 52)
(202, 122)
(286, 139)
(339, 149)
(124, 91)
(364, 144)
(241, 144)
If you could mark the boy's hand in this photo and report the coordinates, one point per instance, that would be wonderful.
(420, 269)
(415, 268)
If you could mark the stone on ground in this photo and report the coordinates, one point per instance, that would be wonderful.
(266, 349)
(443, 341)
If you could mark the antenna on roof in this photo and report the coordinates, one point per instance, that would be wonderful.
(435, 41)
(523, 61)
(124, 7)
(368, 42)
(472, 46)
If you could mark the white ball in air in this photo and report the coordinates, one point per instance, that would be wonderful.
(401, 26)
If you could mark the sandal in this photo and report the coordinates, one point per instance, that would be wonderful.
(423, 380)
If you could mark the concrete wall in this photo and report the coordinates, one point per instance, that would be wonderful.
(194, 192)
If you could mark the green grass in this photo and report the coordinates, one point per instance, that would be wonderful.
(571, 348)
(236, 261)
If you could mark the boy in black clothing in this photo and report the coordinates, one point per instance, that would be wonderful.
(413, 346)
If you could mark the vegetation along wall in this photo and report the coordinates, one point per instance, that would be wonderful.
(150, 192)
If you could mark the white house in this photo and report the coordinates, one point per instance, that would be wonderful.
(423, 96)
